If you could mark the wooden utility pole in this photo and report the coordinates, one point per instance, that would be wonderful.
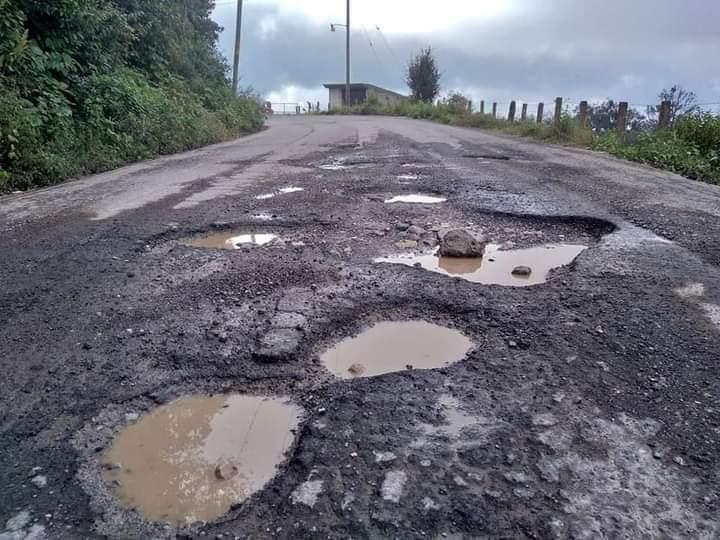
(236, 62)
(347, 58)
(622, 117)
(583, 113)
(558, 110)
(664, 120)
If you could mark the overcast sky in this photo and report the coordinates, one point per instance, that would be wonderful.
(497, 50)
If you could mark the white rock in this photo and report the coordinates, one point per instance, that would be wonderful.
(393, 485)
(307, 493)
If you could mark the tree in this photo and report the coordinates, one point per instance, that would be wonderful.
(423, 76)
(682, 102)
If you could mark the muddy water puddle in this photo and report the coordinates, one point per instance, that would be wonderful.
(390, 347)
(416, 198)
(230, 240)
(193, 459)
(497, 267)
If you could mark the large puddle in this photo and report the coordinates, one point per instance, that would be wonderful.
(497, 267)
(396, 346)
(230, 240)
(193, 459)
(416, 198)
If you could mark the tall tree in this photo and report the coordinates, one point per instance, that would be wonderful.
(423, 76)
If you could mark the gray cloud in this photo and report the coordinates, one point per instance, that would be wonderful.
(589, 49)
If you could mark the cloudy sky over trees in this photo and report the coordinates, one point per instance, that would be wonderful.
(495, 50)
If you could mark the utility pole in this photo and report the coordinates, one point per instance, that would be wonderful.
(347, 57)
(238, 33)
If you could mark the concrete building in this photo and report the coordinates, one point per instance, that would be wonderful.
(360, 93)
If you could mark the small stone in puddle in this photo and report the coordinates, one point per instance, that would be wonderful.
(357, 369)
(460, 243)
(522, 271)
(226, 471)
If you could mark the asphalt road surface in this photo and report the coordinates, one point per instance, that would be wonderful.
(589, 406)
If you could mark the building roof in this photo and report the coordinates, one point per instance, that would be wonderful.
(357, 86)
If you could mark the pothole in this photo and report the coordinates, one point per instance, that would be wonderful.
(408, 177)
(342, 164)
(194, 458)
(487, 156)
(281, 191)
(498, 266)
(417, 198)
(390, 347)
(230, 240)
(264, 217)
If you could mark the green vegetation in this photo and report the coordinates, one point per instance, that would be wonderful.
(88, 85)
(691, 147)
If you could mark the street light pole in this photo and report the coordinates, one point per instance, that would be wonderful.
(347, 58)
(236, 62)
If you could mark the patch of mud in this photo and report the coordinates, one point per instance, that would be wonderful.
(416, 198)
(497, 266)
(230, 240)
(194, 458)
(390, 347)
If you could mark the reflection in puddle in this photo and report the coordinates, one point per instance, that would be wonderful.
(408, 177)
(264, 217)
(396, 346)
(416, 198)
(192, 459)
(231, 240)
(281, 191)
(496, 267)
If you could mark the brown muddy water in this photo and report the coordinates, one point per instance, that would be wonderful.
(496, 267)
(389, 347)
(230, 240)
(416, 198)
(194, 458)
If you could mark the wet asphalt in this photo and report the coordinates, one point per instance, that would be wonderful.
(588, 408)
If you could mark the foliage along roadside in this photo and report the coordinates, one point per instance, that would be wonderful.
(89, 86)
(691, 147)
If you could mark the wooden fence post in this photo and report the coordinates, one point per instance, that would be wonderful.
(511, 112)
(482, 107)
(469, 106)
(622, 117)
(558, 110)
(494, 110)
(664, 120)
(583, 114)
(540, 113)
(523, 115)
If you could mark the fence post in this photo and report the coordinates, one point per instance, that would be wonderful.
(511, 112)
(622, 117)
(494, 110)
(583, 114)
(558, 110)
(523, 114)
(664, 120)
(540, 113)
(482, 107)
(469, 106)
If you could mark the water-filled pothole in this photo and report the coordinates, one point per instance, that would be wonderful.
(281, 191)
(194, 458)
(498, 266)
(389, 347)
(488, 156)
(416, 198)
(230, 240)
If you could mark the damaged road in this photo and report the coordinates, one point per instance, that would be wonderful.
(583, 403)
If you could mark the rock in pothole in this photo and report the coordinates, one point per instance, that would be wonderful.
(460, 243)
